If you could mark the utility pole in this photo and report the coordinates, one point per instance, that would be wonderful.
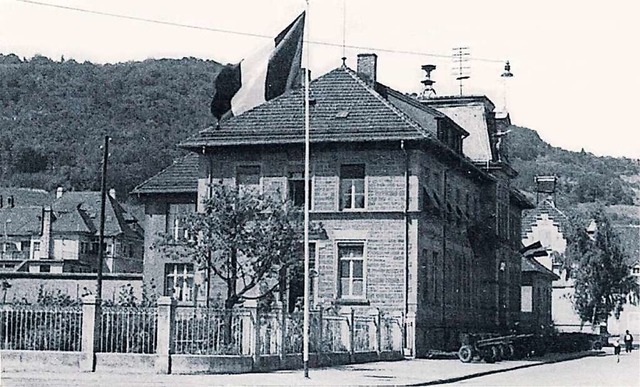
(103, 199)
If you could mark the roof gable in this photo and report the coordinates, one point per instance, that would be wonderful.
(80, 212)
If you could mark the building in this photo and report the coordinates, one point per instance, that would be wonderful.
(63, 236)
(412, 224)
(548, 224)
(536, 295)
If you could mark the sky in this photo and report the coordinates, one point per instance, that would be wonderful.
(574, 62)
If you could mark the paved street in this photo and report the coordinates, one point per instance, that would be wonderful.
(413, 372)
(589, 371)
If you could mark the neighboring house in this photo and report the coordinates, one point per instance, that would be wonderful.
(63, 237)
(548, 224)
(411, 223)
(536, 295)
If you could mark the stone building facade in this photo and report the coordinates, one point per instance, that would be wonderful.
(412, 224)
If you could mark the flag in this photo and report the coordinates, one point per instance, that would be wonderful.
(266, 74)
(534, 250)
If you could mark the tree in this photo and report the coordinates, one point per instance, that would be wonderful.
(602, 278)
(247, 240)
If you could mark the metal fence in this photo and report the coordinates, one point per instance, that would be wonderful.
(293, 336)
(335, 333)
(128, 329)
(40, 328)
(387, 325)
(270, 333)
(200, 331)
(364, 337)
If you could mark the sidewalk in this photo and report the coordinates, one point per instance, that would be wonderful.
(418, 372)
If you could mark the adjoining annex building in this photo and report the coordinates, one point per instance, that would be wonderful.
(414, 196)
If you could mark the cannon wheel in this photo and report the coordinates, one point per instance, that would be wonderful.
(489, 354)
(597, 345)
(465, 353)
(497, 353)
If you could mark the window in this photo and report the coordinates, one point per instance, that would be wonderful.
(36, 246)
(177, 214)
(352, 186)
(179, 281)
(351, 270)
(45, 269)
(248, 179)
(296, 187)
(526, 299)
(636, 270)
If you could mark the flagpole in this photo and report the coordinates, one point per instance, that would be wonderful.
(305, 323)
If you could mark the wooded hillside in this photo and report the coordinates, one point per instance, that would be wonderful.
(54, 115)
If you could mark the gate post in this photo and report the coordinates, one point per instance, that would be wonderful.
(165, 346)
(91, 316)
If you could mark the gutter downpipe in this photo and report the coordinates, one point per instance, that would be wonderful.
(444, 252)
(209, 195)
(406, 246)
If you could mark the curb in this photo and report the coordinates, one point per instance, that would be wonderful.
(492, 372)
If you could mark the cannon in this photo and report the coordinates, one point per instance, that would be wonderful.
(495, 348)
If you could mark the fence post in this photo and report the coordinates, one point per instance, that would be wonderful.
(91, 317)
(282, 331)
(410, 335)
(320, 328)
(375, 336)
(254, 334)
(165, 346)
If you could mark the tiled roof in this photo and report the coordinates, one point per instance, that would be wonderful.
(531, 265)
(546, 207)
(343, 108)
(24, 197)
(21, 220)
(179, 177)
(80, 212)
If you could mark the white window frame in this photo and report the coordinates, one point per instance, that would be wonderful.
(339, 293)
(178, 223)
(365, 189)
(183, 271)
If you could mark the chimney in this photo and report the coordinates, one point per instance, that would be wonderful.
(45, 238)
(546, 188)
(59, 192)
(368, 67)
(112, 193)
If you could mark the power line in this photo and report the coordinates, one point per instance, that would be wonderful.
(242, 33)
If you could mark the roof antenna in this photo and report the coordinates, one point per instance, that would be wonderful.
(427, 91)
(344, 33)
(461, 69)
